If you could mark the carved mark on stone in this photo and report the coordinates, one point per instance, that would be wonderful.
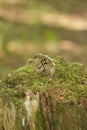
(44, 64)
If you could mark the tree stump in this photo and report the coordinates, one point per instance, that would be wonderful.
(39, 101)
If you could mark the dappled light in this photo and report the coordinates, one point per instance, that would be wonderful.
(49, 27)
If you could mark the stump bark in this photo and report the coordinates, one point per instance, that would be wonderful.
(33, 101)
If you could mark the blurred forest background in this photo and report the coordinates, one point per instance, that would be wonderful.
(54, 27)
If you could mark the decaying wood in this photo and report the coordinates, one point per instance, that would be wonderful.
(31, 101)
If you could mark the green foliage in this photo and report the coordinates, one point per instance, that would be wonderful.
(39, 33)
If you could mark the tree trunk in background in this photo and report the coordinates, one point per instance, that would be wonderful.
(30, 101)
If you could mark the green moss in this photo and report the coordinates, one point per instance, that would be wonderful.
(70, 76)
(61, 97)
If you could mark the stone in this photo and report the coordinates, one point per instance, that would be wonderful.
(44, 64)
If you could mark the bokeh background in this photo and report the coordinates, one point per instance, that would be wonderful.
(53, 27)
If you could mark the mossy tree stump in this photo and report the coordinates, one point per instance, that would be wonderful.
(33, 101)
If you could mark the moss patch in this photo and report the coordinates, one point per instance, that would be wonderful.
(62, 98)
(71, 77)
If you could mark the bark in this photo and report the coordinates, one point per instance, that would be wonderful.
(34, 101)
